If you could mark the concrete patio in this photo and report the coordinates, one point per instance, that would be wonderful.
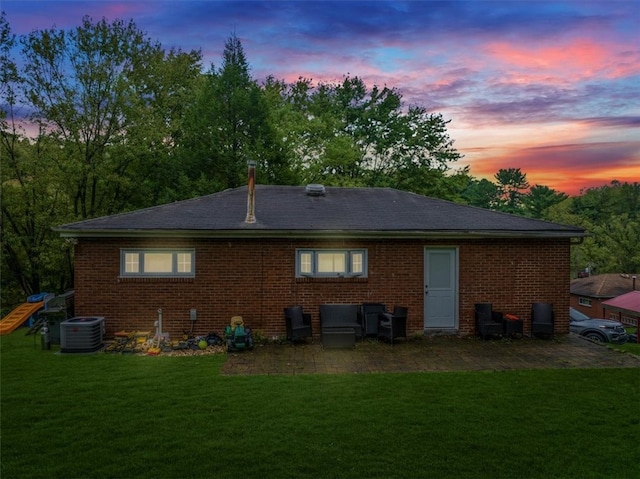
(430, 354)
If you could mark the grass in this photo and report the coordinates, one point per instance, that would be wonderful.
(114, 416)
(633, 348)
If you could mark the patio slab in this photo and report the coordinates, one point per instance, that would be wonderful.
(429, 354)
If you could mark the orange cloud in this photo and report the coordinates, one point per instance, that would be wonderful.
(566, 168)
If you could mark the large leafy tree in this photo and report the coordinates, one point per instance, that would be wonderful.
(611, 213)
(110, 98)
(9, 76)
(229, 124)
(507, 194)
(611, 216)
(105, 105)
(539, 199)
(156, 124)
(349, 134)
(32, 257)
(482, 193)
(234, 95)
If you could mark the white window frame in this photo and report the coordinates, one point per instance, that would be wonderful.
(584, 302)
(308, 264)
(178, 262)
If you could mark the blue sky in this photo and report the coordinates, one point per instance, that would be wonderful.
(548, 87)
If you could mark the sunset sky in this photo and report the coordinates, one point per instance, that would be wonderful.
(552, 88)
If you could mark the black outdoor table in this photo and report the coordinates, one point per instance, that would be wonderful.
(513, 327)
(338, 337)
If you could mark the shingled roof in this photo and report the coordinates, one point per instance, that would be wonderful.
(628, 303)
(285, 211)
(607, 285)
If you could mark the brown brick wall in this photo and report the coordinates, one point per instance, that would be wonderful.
(255, 279)
(596, 310)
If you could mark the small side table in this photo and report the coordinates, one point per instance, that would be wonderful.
(338, 338)
(512, 328)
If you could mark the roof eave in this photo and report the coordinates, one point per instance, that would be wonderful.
(263, 233)
(619, 309)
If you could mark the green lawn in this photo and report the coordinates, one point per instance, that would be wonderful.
(633, 348)
(114, 416)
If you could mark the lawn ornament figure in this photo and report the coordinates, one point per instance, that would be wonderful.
(238, 336)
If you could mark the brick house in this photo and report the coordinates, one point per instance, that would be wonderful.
(587, 294)
(624, 308)
(252, 251)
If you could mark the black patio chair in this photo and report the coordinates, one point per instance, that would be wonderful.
(542, 319)
(488, 321)
(369, 316)
(298, 323)
(393, 325)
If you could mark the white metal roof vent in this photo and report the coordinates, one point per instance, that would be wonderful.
(314, 190)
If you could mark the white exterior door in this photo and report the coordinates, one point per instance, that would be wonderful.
(441, 289)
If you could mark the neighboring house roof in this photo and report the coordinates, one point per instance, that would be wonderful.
(286, 211)
(603, 285)
(627, 303)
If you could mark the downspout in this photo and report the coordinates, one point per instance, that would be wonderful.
(251, 192)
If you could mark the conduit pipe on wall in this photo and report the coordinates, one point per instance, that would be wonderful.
(159, 324)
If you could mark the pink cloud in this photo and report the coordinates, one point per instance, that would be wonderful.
(575, 60)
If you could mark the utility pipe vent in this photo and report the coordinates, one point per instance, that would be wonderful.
(314, 190)
(251, 193)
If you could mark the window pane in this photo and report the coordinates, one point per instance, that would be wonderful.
(184, 262)
(584, 302)
(158, 262)
(305, 263)
(440, 270)
(331, 263)
(334, 262)
(357, 263)
(132, 263)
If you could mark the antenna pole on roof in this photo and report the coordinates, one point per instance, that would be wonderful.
(251, 192)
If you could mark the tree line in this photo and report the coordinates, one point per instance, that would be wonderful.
(100, 119)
